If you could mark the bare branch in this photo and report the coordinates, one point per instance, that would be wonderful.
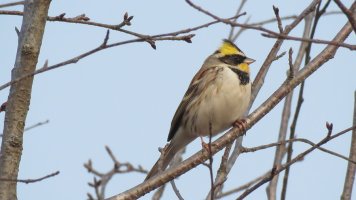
(290, 141)
(279, 56)
(100, 184)
(27, 181)
(222, 172)
(158, 194)
(176, 191)
(260, 77)
(36, 125)
(351, 167)
(231, 135)
(150, 39)
(12, 4)
(210, 164)
(242, 187)
(290, 62)
(276, 171)
(18, 102)
(317, 41)
(348, 12)
(239, 9)
(306, 50)
(278, 18)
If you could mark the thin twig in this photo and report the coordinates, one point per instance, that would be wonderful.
(12, 4)
(210, 165)
(34, 126)
(176, 191)
(239, 9)
(242, 187)
(158, 194)
(351, 167)
(303, 140)
(261, 75)
(317, 41)
(318, 13)
(261, 23)
(159, 37)
(278, 18)
(100, 184)
(262, 147)
(279, 56)
(222, 172)
(271, 189)
(27, 181)
(290, 62)
(276, 171)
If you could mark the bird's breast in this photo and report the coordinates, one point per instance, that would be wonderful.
(224, 101)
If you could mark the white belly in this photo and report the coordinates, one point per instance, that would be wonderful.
(225, 101)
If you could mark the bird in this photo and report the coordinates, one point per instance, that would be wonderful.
(218, 96)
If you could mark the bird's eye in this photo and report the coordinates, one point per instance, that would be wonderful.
(234, 59)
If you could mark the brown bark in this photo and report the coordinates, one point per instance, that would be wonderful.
(351, 167)
(30, 39)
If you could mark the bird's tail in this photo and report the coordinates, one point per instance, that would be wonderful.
(162, 164)
(170, 151)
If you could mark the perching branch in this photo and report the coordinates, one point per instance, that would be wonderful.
(231, 135)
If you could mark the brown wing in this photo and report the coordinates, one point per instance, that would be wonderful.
(195, 88)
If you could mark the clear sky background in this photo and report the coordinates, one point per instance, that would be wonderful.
(125, 97)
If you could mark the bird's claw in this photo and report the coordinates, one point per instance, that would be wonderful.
(241, 124)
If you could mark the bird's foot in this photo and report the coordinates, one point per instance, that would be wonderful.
(240, 124)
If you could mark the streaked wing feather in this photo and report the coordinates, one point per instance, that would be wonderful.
(195, 88)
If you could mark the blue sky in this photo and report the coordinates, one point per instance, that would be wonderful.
(125, 97)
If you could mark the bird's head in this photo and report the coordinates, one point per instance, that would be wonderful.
(231, 55)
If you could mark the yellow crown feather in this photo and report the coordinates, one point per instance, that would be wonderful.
(229, 48)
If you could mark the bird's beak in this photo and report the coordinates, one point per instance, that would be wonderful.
(249, 60)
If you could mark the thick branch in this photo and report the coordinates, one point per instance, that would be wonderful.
(231, 135)
(351, 167)
(30, 39)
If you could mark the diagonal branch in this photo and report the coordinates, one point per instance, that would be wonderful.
(159, 37)
(253, 118)
(12, 4)
(348, 12)
(276, 171)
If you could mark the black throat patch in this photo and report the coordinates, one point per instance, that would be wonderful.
(243, 76)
